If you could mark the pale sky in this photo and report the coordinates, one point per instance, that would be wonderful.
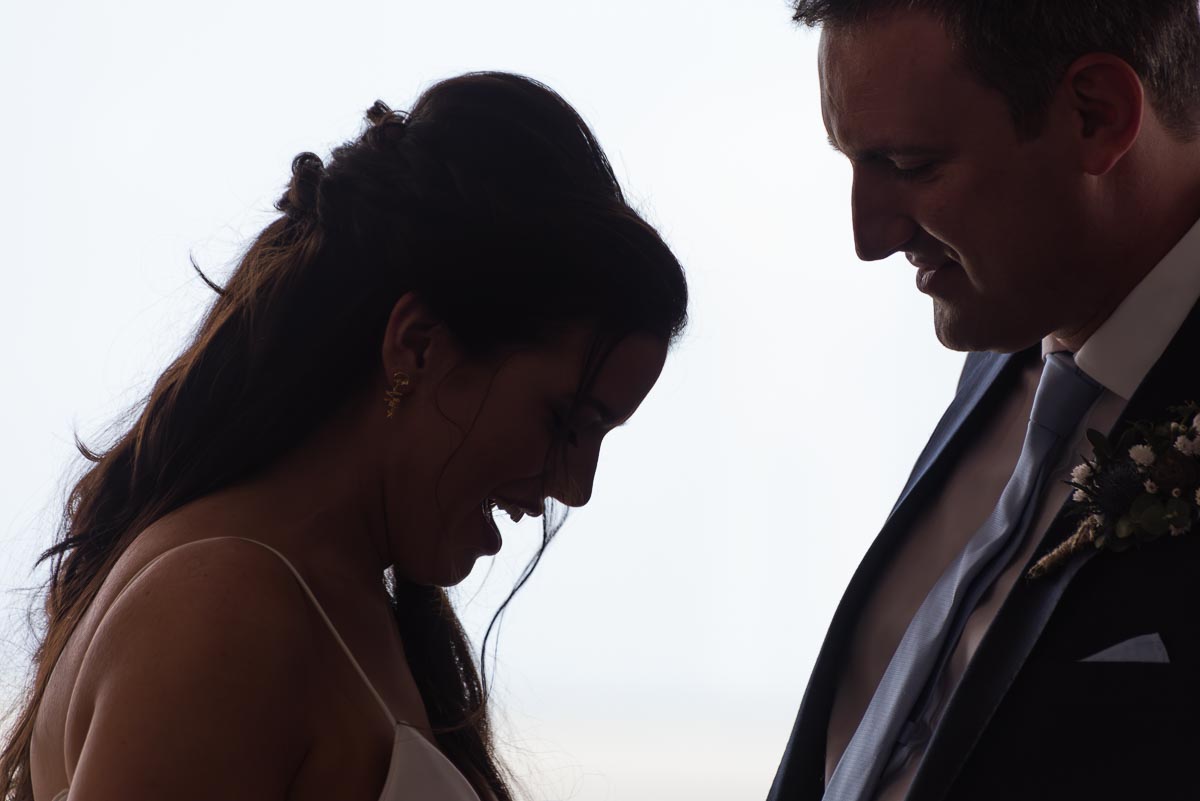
(662, 648)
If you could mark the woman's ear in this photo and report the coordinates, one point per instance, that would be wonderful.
(413, 336)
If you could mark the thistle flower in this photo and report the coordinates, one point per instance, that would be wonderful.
(1143, 455)
(1079, 496)
(1081, 473)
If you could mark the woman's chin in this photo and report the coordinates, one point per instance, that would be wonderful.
(458, 571)
(459, 577)
(445, 567)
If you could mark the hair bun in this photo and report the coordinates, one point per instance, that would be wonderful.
(381, 113)
(300, 199)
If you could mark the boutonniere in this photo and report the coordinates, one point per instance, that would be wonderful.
(1143, 487)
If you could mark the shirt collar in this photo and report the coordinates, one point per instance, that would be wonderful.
(1123, 349)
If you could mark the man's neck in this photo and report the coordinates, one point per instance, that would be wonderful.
(1149, 230)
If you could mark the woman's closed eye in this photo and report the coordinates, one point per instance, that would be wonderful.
(565, 427)
(588, 419)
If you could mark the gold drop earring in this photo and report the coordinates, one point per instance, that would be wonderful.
(400, 384)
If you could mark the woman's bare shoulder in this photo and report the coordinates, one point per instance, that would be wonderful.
(196, 679)
(212, 590)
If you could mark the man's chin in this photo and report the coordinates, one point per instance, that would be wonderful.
(962, 331)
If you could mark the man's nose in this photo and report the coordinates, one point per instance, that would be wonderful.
(882, 225)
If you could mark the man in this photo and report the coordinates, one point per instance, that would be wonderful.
(1039, 164)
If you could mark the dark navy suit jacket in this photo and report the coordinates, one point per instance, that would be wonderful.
(1029, 720)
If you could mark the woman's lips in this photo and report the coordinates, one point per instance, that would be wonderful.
(493, 540)
(516, 511)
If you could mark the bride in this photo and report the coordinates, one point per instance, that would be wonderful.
(246, 601)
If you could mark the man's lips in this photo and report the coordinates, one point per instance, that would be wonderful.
(931, 262)
(927, 270)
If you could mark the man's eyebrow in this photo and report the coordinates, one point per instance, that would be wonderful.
(882, 153)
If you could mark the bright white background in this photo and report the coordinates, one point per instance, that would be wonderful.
(662, 649)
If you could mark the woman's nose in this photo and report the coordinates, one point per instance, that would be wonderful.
(573, 486)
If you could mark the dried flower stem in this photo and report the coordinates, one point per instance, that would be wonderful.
(1083, 537)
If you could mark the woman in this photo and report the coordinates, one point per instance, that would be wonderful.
(246, 601)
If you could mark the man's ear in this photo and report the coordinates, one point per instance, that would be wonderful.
(413, 335)
(1108, 102)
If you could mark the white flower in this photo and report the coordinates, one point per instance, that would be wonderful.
(1079, 496)
(1151, 487)
(1081, 473)
(1196, 423)
(1198, 497)
(1143, 455)
(1187, 446)
(1176, 493)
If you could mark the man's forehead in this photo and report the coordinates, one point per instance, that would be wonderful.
(893, 54)
(894, 74)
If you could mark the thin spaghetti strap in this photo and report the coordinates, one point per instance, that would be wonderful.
(136, 576)
(328, 622)
(311, 597)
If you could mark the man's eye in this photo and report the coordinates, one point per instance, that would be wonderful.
(911, 172)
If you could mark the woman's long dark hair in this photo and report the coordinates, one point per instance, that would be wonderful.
(493, 203)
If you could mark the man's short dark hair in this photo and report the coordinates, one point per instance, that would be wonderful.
(1022, 48)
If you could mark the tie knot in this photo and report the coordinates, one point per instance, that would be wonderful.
(1064, 394)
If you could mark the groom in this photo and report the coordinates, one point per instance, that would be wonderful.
(1038, 163)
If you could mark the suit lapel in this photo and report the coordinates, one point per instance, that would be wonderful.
(1174, 379)
(985, 379)
(979, 377)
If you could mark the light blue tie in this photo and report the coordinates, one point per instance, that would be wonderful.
(1063, 396)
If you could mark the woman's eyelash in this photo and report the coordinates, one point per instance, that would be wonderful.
(564, 428)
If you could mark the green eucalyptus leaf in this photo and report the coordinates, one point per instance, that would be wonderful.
(1100, 444)
(1148, 534)
(1125, 528)
(1117, 546)
(1134, 435)
(1143, 504)
(1178, 512)
(1152, 522)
